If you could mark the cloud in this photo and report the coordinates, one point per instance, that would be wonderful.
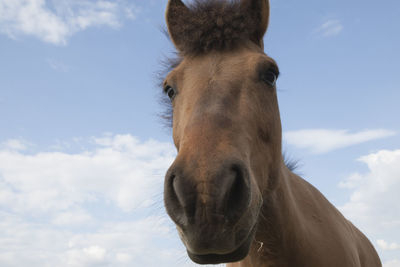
(55, 23)
(393, 263)
(373, 204)
(57, 65)
(121, 169)
(322, 140)
(15, 145)
(329, 28)
(101, 206)
(72, 217)
(386, 246)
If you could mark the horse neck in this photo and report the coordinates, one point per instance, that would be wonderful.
(280, 223)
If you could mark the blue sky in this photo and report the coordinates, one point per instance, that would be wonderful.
(83, 152)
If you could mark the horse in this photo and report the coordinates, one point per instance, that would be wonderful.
(229, 191)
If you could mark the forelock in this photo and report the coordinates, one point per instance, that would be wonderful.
(214, 25)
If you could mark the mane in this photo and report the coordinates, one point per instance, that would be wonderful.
(167, 64)
(214, 25)
(291, 163)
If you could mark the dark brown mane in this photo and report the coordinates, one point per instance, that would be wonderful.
(167, 64)
(213, 25)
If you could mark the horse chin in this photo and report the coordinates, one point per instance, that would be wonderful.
(237, 255)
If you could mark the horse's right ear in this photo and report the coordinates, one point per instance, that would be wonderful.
(258, 10)
(177, 16)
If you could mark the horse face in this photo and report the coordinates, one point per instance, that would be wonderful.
(225, 117)
(227, 131)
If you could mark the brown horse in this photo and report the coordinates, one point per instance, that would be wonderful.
(229, 191)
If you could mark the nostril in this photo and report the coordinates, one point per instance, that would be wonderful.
(171, 200)
(179, 198)
(185, 196)
(238, 197)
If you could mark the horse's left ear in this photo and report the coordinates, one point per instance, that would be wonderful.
(259, 11)
(178, 17)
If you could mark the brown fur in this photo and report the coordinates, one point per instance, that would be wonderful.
(212, 25)
(229, 192)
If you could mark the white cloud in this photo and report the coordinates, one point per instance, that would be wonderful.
(15, 145)
(387, 246)
(330, 28)
(373, 204)
(323, 140)
(72, 217)
(57, 65)
(89, 208)
(352, 181)
(55, 21)
(123, 169)
(131, 11)
(392, 263)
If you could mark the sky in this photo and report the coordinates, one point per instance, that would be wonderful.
(83, 152)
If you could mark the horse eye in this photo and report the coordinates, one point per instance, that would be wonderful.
(170, 92)
(269, 78)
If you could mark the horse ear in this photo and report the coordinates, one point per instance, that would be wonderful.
(259, 10)
(177, 16)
